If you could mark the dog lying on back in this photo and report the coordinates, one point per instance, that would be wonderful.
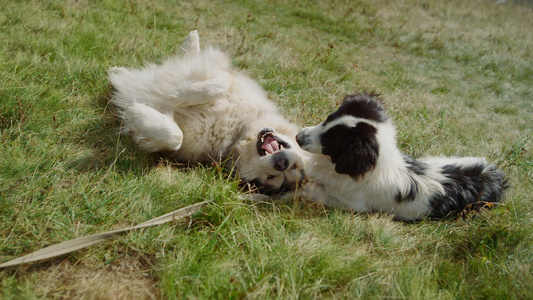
(356, 165)
(196, 107)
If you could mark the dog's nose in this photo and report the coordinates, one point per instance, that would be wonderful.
(281, 163)
(299, 138)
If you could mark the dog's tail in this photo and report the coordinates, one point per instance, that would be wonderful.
(470, 184)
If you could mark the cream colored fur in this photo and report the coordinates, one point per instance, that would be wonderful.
(197, 108)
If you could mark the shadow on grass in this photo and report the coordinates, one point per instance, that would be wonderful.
(106, 148)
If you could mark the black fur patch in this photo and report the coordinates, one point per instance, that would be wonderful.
(477, 183)
(257, 186)
(410, 196)
(361, 105)
(353, 150)
(419, 168)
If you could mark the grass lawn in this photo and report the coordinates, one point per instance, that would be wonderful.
(457, 76)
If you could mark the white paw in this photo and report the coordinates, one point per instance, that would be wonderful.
(153, 131)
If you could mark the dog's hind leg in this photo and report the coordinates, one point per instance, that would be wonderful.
(152, 86)
(192, 43)
(205, 77)
(152, 130)
(196, 93)
(207, 81)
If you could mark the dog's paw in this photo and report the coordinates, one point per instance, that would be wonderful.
(152, 130)
(255, 197)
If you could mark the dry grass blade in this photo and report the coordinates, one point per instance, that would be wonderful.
(86, 241)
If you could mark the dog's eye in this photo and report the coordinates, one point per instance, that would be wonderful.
(270, 177)
(294, 167)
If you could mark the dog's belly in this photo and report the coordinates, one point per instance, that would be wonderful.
(206, 137)
(211, 131)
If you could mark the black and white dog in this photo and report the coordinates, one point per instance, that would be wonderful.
(356, 165)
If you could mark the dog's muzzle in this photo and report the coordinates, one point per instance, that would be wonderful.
(268, 143)
(302, 139)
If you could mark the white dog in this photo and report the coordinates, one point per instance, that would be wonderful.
(356, 165)
(197, 108)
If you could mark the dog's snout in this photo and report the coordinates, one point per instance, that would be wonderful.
(281, 162)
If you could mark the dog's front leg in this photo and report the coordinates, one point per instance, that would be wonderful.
(315, 192)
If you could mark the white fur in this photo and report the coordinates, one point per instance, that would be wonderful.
(197, 108)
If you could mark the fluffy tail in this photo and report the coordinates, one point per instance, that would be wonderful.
(471, 183)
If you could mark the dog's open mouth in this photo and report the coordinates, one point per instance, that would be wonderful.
(268, 143)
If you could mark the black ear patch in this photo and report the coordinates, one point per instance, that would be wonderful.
(361, 105)
(353, 150)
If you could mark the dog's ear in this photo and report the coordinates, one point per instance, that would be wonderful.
(360, 152)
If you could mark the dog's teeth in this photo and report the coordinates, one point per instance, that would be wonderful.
(263, 137)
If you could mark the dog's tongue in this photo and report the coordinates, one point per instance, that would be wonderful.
(270, 145)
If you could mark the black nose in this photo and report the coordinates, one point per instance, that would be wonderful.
(280, 161)
(299, 139)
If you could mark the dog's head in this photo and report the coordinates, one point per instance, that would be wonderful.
(349, 136)
(271, 163)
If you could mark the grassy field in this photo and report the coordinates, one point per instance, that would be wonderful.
(457, 76)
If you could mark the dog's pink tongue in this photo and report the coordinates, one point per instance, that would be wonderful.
(270, 145)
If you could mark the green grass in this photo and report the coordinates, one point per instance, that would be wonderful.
(456, 76)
